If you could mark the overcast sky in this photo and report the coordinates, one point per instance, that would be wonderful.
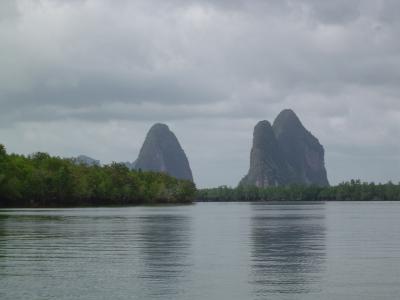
(90, 77)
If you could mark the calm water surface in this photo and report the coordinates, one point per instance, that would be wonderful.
(204, 251)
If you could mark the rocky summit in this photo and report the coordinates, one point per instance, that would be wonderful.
(285, 153)
(161, 152)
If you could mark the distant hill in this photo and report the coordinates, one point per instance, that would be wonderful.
(86, 160)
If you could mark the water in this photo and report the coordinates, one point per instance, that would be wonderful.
(205, 251)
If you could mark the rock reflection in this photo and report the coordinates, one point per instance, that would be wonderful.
(288, 248)
(2, 243)
(165, 245)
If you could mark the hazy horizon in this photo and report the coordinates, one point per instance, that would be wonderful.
(91, 77)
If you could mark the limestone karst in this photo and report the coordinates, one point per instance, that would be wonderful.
(161, 152)
(285, 153)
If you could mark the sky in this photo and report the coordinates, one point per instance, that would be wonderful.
(91, 77)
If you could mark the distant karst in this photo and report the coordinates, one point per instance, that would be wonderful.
(86, 160)
(161, 152)
(285, 153)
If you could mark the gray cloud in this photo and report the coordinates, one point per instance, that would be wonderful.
(92, 76)
(334, 12)
(8, 10)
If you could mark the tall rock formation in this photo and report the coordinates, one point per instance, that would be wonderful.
(268, 166)
(161, 152)
(302, 150)
(285, 153)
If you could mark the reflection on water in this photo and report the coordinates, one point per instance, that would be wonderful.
(133, 253)
(213, 251)
(164, 241)
(2, 250)
(288, 248)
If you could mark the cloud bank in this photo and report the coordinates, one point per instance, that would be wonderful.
(90, 77)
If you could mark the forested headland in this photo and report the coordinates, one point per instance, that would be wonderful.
(354, 190)
(40, 180)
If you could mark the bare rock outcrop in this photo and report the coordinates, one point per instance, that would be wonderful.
(161, 152)
(285, 153)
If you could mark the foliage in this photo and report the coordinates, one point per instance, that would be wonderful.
(355, 190)
(42, 180)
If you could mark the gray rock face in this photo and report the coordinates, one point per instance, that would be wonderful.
(302, 150)
(161, 152)
(285, 153)
(268, 166)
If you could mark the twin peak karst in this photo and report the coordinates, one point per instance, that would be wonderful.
(285, 153)
(282, 154)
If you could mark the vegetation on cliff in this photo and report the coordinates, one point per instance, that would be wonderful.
(41, 180)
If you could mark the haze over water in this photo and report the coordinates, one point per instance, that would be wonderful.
(340, 250)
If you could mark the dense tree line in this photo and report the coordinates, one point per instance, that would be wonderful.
(40, 180)
(355, 190)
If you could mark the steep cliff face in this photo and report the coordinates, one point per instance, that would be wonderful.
(285, 153)
(161, 152)
(267, 161)
(302, 150)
